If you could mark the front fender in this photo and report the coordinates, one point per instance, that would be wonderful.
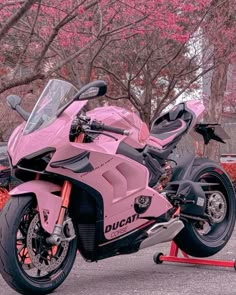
(49, 204)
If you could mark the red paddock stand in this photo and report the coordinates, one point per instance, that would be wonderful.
(173, 257)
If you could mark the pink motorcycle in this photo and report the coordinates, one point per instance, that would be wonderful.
(99, 182)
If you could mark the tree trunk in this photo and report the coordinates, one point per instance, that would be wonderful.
(218, 88)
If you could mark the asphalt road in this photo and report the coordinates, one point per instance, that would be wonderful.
(138, 274)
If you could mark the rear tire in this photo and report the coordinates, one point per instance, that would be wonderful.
(192, 240)
(21, 231)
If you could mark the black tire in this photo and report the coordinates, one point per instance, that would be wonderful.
(199, 244)
(16, 265)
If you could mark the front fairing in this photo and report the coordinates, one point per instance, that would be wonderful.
(14, 139)
(55, 135)
(49, 121)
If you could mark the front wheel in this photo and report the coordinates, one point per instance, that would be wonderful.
(28, 263)
(200, 238)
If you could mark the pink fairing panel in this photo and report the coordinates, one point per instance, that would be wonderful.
(55, 135)
(197, 109)
(158, 143)
(49, 204)
(124, 222)
(119, 180)
(14, 138)
(122, 118)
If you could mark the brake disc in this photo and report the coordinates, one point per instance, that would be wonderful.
(43, 256)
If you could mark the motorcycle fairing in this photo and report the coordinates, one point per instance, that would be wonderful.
(119, 181)
(77, 164)
(122, 118)
(49, 204)
(196, 108)
(56, 135)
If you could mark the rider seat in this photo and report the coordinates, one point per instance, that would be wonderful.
(170, 125)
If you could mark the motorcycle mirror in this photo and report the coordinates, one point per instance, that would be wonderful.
(92, 90)
(13, 101)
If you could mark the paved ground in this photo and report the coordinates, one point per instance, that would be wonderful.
(137, 274)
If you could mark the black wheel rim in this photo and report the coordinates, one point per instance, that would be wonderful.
(218, 206)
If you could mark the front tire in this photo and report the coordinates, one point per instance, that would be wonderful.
(28, 264)
(203, 239)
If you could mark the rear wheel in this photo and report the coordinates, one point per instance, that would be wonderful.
(202, 238)
(28, 263)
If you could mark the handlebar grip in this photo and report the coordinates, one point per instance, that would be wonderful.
(115, 130)
(95, 125)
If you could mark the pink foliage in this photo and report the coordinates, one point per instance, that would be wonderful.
(161, 21)
(139, 17)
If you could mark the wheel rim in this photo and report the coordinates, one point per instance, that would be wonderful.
(217, 209)
(38, 260)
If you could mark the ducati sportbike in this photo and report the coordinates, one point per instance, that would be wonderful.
(99, 182)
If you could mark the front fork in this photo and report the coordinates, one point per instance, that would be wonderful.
(58, 235)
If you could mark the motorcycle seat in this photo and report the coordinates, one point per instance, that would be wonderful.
(169, 126)
(167, 131)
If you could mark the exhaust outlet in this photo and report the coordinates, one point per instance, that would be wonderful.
(162, 232)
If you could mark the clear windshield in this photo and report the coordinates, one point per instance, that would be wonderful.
(54, 97)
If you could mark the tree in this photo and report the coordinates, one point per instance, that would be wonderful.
(220, 33)
(149, 51)
(155, 68)
(29, 46)
(55, 33)
(230, 93)
(14, 18)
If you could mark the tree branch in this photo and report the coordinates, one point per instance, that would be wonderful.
(16, 16)
(21, 81)
(11, 3)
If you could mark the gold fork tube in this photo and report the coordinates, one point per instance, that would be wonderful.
(66, 191)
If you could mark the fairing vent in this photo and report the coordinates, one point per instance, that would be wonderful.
(36, 162)
(34, 165)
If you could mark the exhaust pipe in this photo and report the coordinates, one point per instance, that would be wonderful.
(162, 232)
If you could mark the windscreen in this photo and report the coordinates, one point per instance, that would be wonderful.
(54, 97)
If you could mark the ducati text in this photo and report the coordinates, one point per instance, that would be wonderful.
(121, 223)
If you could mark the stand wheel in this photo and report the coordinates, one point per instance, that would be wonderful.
(156, 258)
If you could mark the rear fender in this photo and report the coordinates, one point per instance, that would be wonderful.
(49, 204)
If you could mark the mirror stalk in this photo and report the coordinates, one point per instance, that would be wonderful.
(25, 115)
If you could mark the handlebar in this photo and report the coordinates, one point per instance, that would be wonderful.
(95, 125)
